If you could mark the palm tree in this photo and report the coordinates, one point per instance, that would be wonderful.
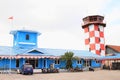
(68, 57)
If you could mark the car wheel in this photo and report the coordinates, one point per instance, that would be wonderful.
(23, 73)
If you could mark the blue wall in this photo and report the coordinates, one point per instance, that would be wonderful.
(5, 63)
(94, 64)
(40, 63)
(60, 65)
(21, 62)
(20, 36)
(47, 64)
(13, 63)
(75, 64)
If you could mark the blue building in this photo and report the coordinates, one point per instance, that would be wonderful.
(25, 50)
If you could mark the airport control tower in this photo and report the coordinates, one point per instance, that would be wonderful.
(94, 34)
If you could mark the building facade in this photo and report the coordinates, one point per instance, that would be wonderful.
(25, 49)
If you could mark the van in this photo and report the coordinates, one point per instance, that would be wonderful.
(26, 69)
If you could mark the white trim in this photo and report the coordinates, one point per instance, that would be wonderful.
(26, 43)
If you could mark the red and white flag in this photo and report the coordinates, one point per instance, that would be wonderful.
(10, 17)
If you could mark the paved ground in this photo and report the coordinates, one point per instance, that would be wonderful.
(97, 75)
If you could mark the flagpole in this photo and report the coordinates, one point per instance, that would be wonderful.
(11, 25)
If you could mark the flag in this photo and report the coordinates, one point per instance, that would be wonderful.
(10, 17)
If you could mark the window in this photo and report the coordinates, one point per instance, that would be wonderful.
(27, 37)
(79, 61)
(57, 61)
(91, 18)
(97, 61)
(86, 62)
(95, 18)
(100, 19)
(17, 62)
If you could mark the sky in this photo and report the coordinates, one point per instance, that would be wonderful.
(59, 21)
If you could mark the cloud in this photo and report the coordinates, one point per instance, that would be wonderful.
(60, 39)
(58, 20)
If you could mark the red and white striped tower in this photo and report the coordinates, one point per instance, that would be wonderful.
(94, 34)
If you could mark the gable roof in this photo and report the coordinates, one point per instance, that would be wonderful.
(114, 47)
(36, 50)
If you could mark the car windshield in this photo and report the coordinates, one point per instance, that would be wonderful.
(27, 65)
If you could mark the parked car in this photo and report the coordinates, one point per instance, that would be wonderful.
(26, 69)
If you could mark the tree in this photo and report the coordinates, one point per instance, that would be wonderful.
(68, 57)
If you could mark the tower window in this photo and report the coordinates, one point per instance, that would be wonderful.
(100, 19)
(27, 37)
(95, 18)
(91, 19)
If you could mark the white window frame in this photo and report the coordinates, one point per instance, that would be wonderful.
(57, 61)
(79, 61)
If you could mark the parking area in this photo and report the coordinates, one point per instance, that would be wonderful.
(89, 75)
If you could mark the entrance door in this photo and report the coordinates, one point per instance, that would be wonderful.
(87, 63)
(33, 62)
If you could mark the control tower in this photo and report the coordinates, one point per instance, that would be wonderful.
(94, 34)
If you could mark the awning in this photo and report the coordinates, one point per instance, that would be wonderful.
(27, 57)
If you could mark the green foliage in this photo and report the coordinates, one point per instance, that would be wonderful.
(68, 57)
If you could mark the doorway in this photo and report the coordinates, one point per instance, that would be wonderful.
(33, 62)
(87, 63)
